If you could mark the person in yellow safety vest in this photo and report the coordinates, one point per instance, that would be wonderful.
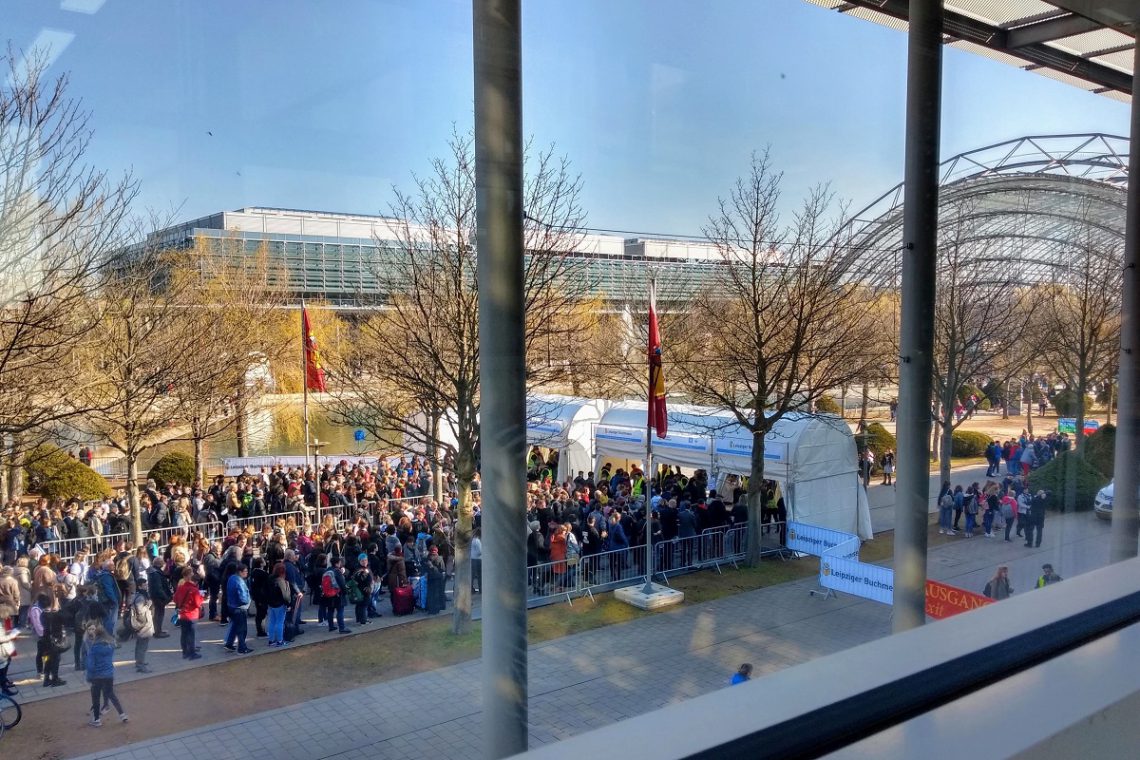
(533, 459)
(638, 484)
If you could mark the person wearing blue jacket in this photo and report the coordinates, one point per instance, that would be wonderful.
(237, 599)
(100, 648)
(107, 592)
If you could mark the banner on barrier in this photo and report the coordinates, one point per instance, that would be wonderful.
(944, 600)
(851, 576)
(812, 539)
(839, 565)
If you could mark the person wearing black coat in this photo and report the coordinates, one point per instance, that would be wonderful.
(160, 592)
(436, 596)
(259, 581)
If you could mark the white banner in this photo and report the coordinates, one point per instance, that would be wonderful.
(839, 565)
(812, 539)
(626, 435)
(863, 579)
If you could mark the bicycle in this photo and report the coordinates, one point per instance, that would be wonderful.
(10, 713)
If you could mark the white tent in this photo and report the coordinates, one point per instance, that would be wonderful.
(565, 424)
(620, 435)
(812, 457)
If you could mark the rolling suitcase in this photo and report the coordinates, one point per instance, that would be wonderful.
(403, 601)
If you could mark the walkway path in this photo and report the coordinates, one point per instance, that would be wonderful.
(602, 676)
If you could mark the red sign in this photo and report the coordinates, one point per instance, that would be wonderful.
(943, 601)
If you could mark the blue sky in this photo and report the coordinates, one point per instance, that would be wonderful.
(658, 103)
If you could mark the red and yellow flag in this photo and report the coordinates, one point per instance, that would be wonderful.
(314, 372)
(658, 416)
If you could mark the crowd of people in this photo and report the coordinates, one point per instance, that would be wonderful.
(268, 569)
(1025, 453)
(252, 546)
(1002, 502)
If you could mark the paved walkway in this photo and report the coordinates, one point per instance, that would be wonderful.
(592, 679)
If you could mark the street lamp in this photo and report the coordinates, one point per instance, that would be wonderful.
(316, 444)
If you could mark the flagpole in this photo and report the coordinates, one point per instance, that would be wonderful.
(648, 590)
(305, 378)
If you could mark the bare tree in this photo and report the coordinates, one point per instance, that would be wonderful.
(981, 319)
(414, 367)
(144, 343)
(1080, 313)
(60, 221)
(237, 314)
(785, 324)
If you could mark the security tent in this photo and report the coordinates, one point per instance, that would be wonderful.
(812, 457)
(565, 424)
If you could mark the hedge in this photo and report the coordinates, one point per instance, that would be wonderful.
(53, 474)
(879, 439)
(828, 405)
(968, 390)
(969, 443)
(1065, 402)
(1100, 450)
(174, 467)
(1052, 477)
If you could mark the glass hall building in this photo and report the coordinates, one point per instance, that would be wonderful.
(334, 257)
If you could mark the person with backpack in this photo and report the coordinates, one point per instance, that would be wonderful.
(79, 612)
(970, 507)
(333, 590)
(360, 588)
(140, 613)
(945, 509)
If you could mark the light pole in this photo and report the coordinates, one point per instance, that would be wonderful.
(316, 444)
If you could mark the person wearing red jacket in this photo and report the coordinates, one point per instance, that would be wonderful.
(188, 601)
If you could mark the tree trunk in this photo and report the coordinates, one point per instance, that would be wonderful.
(863, 408)
(436, 470)
(1111, 394)
(1005, 402)
(133, 497)
(464, 473)
(947, 441)
(239, 423)
(16, 469)
(199, 459)
(755, 496)
(1029, 409)
(843, 401)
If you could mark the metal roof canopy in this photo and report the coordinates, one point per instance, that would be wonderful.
(1086, 43)
(1017, 201)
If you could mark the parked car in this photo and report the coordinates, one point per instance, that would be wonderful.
(1102, 504)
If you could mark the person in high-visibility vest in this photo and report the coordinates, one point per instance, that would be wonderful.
(637, 485)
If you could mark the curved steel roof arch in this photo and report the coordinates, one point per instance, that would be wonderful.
(1035, 198)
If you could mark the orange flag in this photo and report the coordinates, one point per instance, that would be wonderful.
(314, 372)
(658, 416)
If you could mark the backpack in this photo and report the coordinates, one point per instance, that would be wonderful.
(123, 569)
(328, 585)
(355, 595)
(972, 505)
(946, 502)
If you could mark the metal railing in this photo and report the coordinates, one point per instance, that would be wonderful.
(713, 548)
(589, 573)
(67, 548)
(260, 521)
